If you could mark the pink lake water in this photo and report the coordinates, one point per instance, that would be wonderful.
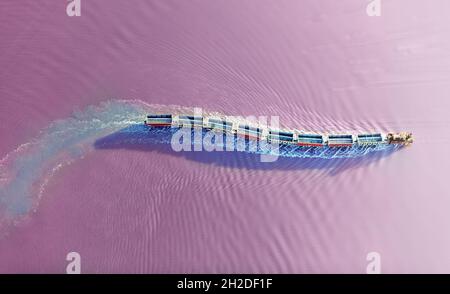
(66, 82)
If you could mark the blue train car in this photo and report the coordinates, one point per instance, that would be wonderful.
(249, 132)
(340, 140)
(159, 120)
(314, 140)
(285, 137)
(219, 124)
(370, 139)
(190, 121)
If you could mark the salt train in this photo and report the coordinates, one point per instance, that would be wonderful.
(287, 137)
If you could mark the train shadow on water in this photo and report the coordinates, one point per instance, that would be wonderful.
(146, 139)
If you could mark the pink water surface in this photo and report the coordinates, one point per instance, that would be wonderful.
(128, 210)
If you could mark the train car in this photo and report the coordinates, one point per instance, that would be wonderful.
(250, 132)
(191, 121)
(219, 124)
(369, 139)
(159, 120)
(280, 136)
(340, 140)
(312, 140)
